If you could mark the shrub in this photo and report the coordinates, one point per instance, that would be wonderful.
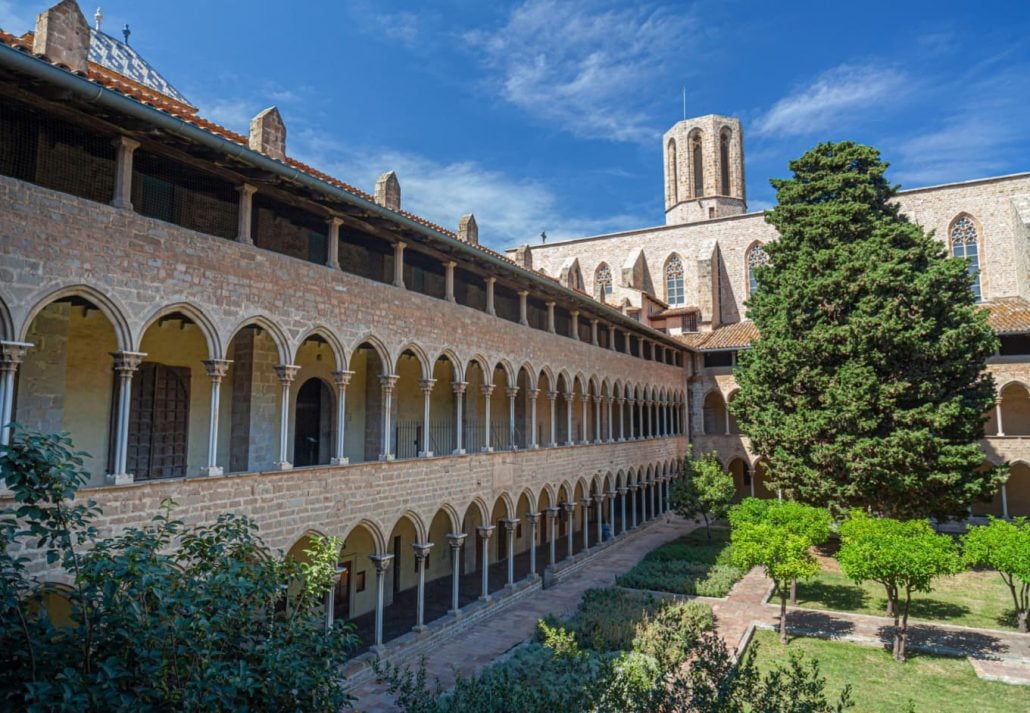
(607, 618)
(671, 631)
(682, 577)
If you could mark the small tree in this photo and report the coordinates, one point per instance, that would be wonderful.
(806, 521)
(904, 556)
(785, 555)
(1005, 547)
(705, 491)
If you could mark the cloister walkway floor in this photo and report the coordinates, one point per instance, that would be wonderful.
(483, 642)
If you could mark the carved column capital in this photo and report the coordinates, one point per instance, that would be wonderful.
(486, 389)
(426, 385)
(286, 372)
(458, 387)
(381, 562)
(342, 378)
(217, 368)
(127, 362)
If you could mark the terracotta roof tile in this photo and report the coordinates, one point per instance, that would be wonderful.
(1009, 315)
(732, 336)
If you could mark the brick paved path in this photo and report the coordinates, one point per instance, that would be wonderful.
(484, 642)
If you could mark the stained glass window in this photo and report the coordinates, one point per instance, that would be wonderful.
(965, 244)
(674, 281)
(604, 281)
(756, 256)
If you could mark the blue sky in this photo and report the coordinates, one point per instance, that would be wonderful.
(548, 114)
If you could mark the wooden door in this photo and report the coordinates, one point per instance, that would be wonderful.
(159, 421)
(341, 599)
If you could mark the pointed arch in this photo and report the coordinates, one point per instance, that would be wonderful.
(115, 314)
(421, 529)
(603, 282)
(452, 516)
(671, 175)
(335, 345)
(571, 274)
(424, 366)
(965, 240)
(697, 163)
(725, 167)
(376, 345)
(6, 323)
(275, 333)
(675, 280)
(509, 372)
(456, 363)
(374, 531)
(754, 257)
(202, 321)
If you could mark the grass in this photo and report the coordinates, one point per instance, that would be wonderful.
(688, 565)
(878, 683)
(975, 598)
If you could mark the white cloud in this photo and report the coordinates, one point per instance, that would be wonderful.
(827, 103)
(508, 210)
(16, 18)
(582, 66)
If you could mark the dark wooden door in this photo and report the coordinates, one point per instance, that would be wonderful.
(341, 599)
(159, 421)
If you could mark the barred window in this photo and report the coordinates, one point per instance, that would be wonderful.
(674, 281)
(965, 244)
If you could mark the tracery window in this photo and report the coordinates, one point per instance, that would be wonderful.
(724, 163)
(699, 168)
(674, 281)
(603, 280)
(755, 256)
(671, 171)
(965, 244)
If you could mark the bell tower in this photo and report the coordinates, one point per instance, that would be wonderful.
(704, 169)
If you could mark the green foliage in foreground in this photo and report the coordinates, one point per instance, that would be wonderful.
(1005, 547)
(164, 617)
(903, 556)
(692, 564)
(559, 673)
(868, 385)
(705, 490)
(925, 683)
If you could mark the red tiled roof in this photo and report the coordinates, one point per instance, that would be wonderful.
(1009, 315)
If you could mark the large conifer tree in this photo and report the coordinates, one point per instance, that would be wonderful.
(867, 386)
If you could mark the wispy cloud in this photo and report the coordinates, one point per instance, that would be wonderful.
(828, 102)
(508, 210)
(16, 18)
(584, 67)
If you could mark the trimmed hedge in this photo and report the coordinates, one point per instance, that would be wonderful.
(688, 565)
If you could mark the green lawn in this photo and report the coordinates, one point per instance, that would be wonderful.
(978, 599)
(688, 565)
(878, 683)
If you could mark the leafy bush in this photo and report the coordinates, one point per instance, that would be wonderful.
(607, 618)
(164, 617)
(682, 578)
(669, 633)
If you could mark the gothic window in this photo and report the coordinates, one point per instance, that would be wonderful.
(699, 169)
(674, 281)
(755, 256)
(724, 163)
(603, 281)
(671, 174)
(965, 244)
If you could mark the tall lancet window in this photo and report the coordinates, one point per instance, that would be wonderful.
(699, 167)
(674, 281)
(603, 281)
(724, 163)
(672, 173)
(965, 244)
(755, 256)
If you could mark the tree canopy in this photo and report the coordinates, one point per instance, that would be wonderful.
(1004, 546)
(867, 386)
(705, 490)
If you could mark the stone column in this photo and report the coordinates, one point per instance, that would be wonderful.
(455, 540)
(125, 147)
(245, 213)
(531, 520)
(1004, 502)
(488, 443)
(342, 380)
(11, 356)
(125, 364)
(651, 494)
(523, 308)
(421, 553)
(286, 373)
(574, 324)
(448, 280)
(551, 397)
(593, 332)
(333, 253)
(570, 513)
(599, 501)
(398, 263)
(661, 420)
(622, 420)
(490, 296)
(611, 511)
(726, 414)
(584, 503)
(216, 370)
(509, 524)
(426, 386)
(597, 419)
(485, 532)
(550, 317)
(611, 338)
(459, 403)
(633, 503)
(622, 504)
(381, 563)
(387, 383)
(512, 392)
(569, 396)
(552, 519)
(997, 416)
(611, 426)
(661, 496)
(583, 424)
(532, 393)
(645, 418)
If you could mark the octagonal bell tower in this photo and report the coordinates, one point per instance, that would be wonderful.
(704, 169)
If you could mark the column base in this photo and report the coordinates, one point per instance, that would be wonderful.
(484, 597)
(621, 440)
(377, 649)
(211, 470)
(458, 452)
(283, 465)
(425, 454)
(386, 457)
(419, 628)
(119, 478)
(486, 449)
(570, 443)
(534, 447)
(339, 461)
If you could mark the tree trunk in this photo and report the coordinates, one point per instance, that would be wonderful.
(783, 615)
(1021, 621)
(794, 592)
(901, 634)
